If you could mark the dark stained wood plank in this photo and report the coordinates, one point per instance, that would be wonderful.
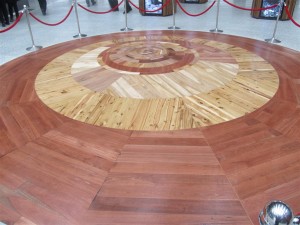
(228, 137)
(19, 91)
(48, 176)
(247, 156)
(168, 141)
(37, 214)
(161, 190)
(167, 168)
(20, 123)
(268, 175)
(138, 218)
(6, 144)
(11, 180)
(65, 145)
(169, 206)
(8, 215)
(31, 119)
(181, 187)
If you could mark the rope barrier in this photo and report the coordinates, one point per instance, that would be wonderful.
(199, 14)
(112, 9)
(252, 9)
(14, 24)
(52, 24)
(143, 10)
(290, 16)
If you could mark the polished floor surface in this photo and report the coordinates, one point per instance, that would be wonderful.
(58, 169)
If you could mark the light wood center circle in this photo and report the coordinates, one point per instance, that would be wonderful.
(156, 83)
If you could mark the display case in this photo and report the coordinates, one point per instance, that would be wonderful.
(152, 5)
(273, 12)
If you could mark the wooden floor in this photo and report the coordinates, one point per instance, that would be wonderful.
(57, 169)
(156, 83)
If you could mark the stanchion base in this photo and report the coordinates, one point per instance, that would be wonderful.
(34, 48)
(272, 40)
(216, 30)
(126, 29)
(173, 28)
(79, 35)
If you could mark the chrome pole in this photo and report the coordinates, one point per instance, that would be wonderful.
(273, 39)
(174, 26)
(217, 20)
(33, 47)
(126, 28)
(79, 35)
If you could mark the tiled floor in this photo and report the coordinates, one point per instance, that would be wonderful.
(14, 42)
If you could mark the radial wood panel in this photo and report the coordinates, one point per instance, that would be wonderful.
(56, 170)
(205, 197)
(156, 83)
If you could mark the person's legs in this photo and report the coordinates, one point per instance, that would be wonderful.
(15, 7)
(2, 18)
(88, 2)
(128, 7)
(10, 10)
(113, 4)
(43, 6)
(4, 11)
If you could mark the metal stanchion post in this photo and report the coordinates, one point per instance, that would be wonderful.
(33, 47)
(173, 27)
(79, 35)
(126, 28)
(273, 39)
(217, 20)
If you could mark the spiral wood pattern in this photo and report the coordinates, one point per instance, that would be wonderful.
(156, 83)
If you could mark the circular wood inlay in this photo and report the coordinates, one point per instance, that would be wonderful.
(156, 83)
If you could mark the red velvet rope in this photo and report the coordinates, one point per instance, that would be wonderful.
(290, 16)
(255, 9)
(143, 10)
(52, 24)
(199, 14)
(112, 9)
(14, 24)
